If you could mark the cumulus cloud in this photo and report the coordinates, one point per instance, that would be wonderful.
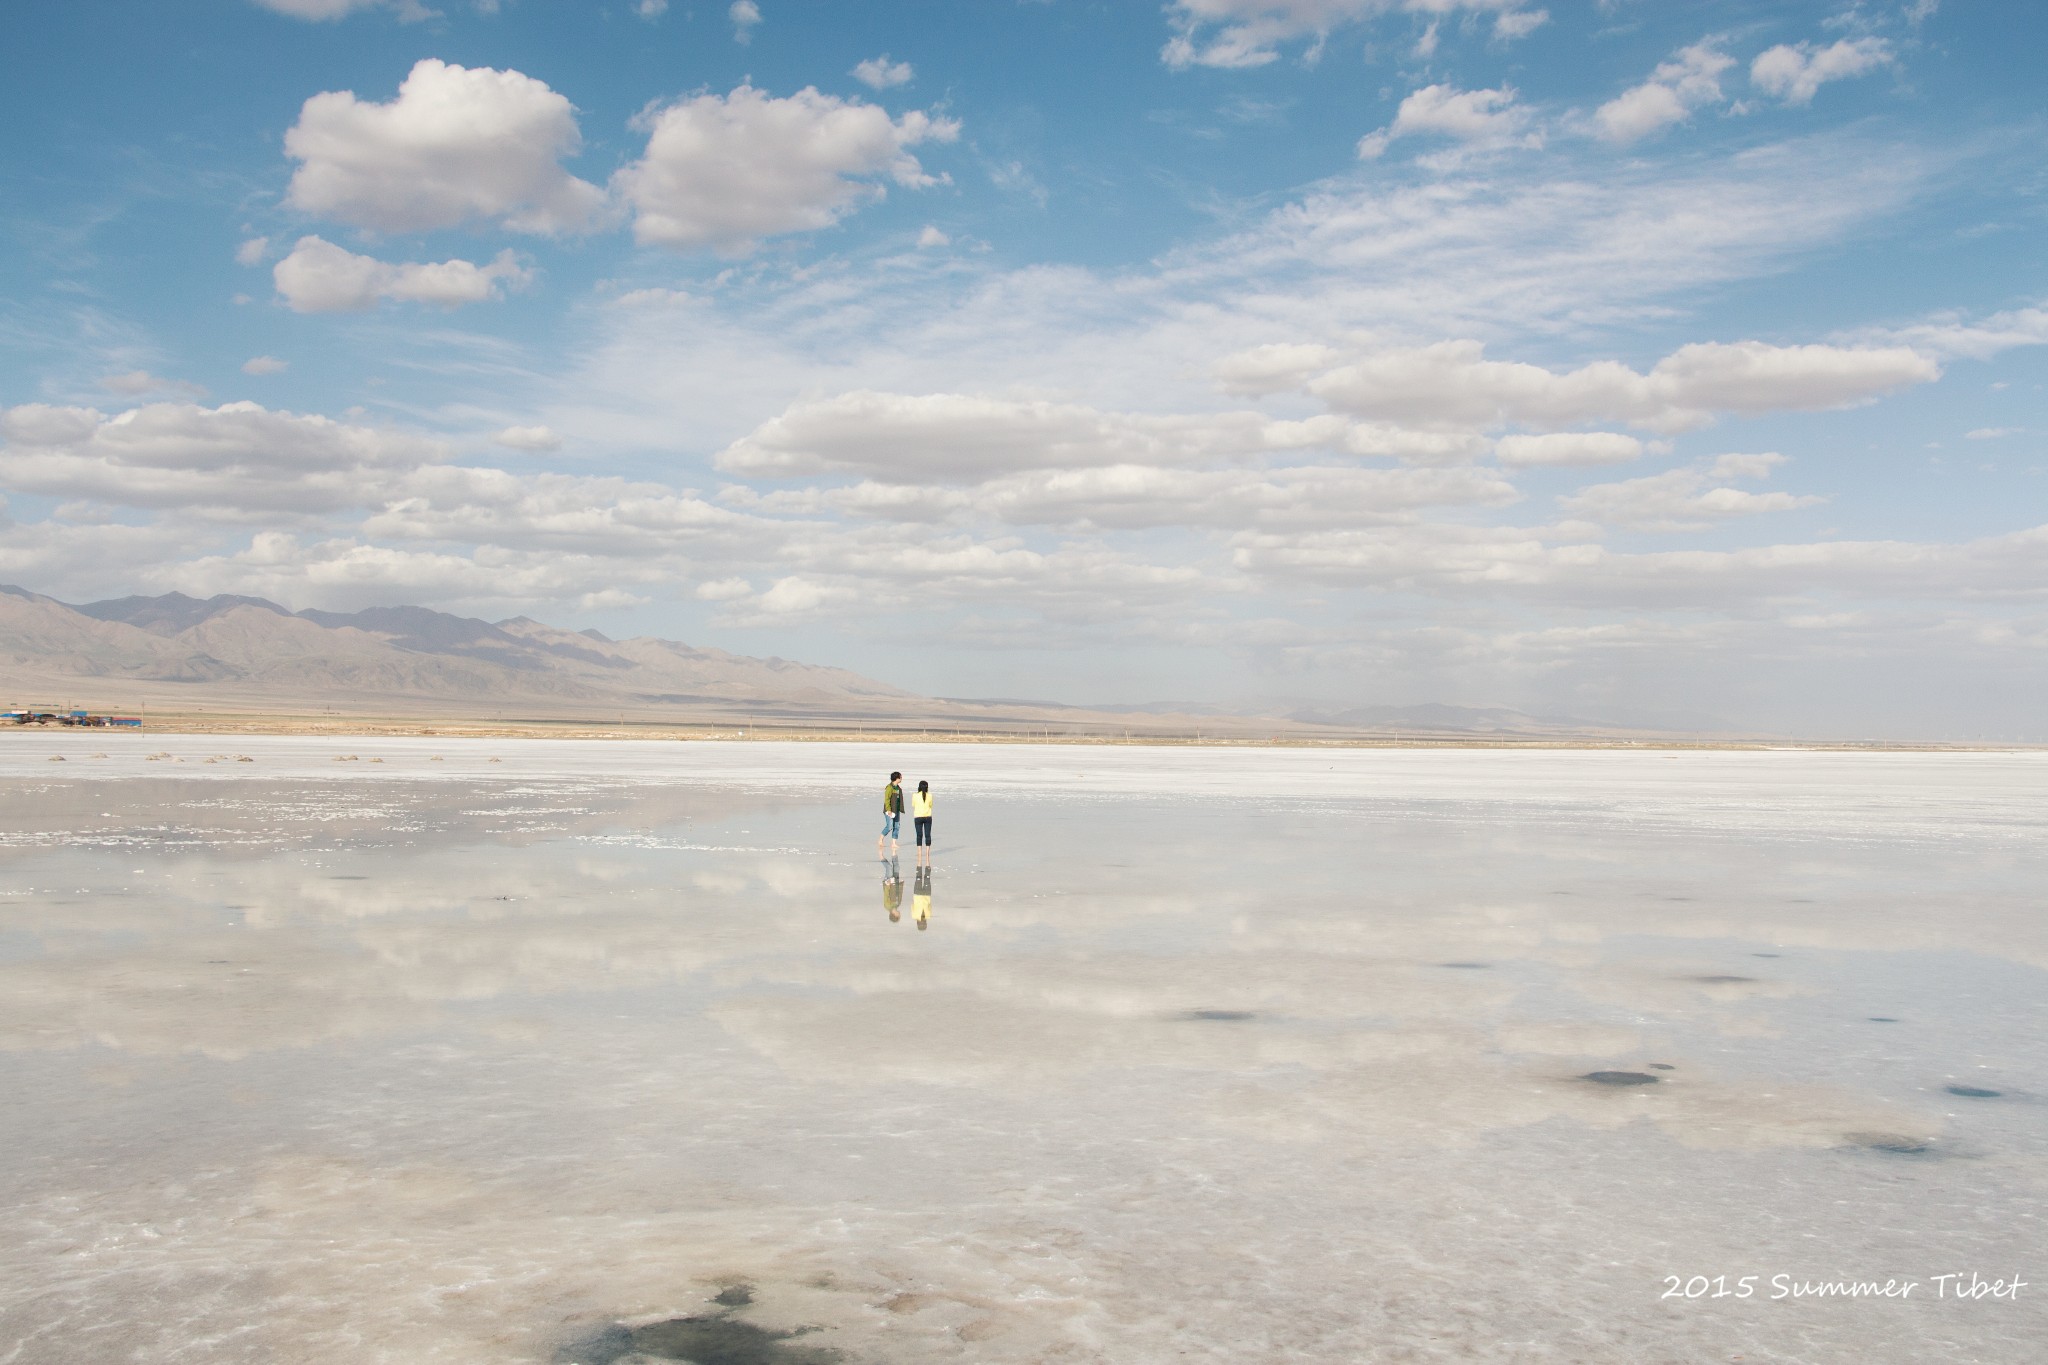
(1452, 385)
(260, 365)
(234, 459)
(726, 170)
(1568, 448)
(1479, 117)
(455, 145)
(320, 277)
(1247, 33)
(1684, 499)
(252, 251)
(1691, 79)
(932, 237)
(1796, 74)
(1141, 497)
(596, 517)
(1272, 368)
(746, 17)
(1513, 24)
(879, 73)
(528, 438)
(967, 437)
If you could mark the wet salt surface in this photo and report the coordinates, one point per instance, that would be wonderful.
(612, 1052)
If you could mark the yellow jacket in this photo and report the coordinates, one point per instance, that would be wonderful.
(920, 805)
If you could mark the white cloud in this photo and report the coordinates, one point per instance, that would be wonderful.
(1682, 499)
(1272, 368)
(950, 437)
(880, 73)
(252, 251)
(1486, 117)
(1140, 497)
(1513, 24)
(1568, 448)
(528, 438)
(1452, 385)
(320, 277)
(932, 237)
(651, 10)
(724, 171)
(1796, 74)
(745, 16)
(1951, 334)
(1247, 33)
(456, 145)
(1692, 78)
(239, 458)
(319, 11)
(1737, 466)
(1991, 433)
(595, 518)
(134, 383)
(260, 365)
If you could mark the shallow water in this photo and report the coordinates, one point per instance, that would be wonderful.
(445, 1051)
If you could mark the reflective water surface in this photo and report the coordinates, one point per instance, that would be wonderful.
(443, 1051)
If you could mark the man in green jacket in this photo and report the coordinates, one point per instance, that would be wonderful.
(892, 814)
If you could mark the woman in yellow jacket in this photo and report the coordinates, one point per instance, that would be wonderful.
(921, 820)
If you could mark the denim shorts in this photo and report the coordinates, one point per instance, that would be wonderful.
(891, 823)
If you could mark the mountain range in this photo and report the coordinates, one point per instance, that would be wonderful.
(180, 654)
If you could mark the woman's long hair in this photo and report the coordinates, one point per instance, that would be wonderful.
(924, 786)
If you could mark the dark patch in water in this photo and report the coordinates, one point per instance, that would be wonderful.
(1619, 1078)
(1972, 1092)
(1678, 898)
(707, 1339)
(1221, 1016)
(1467, 966)
(735, 1296)
(1721, 980)
(347, 877)
(1766, 954)
(1882, 1019)
(1662, 1066)
(1893, 1144)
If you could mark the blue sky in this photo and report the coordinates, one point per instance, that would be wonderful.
(1638, 360)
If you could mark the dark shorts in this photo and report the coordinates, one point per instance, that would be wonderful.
(924, 830)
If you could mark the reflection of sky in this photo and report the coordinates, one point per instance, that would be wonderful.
(573, 1047)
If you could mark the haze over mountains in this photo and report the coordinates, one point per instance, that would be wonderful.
(176, 653)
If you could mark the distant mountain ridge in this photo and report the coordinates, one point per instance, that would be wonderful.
(249, 649)
(227, 653)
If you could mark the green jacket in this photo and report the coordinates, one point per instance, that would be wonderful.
(892, 799)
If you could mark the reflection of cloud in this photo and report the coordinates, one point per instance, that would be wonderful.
(1415, 1063)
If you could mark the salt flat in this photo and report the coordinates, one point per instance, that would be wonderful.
(434, 1050)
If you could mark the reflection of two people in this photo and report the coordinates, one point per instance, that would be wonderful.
(920, 894)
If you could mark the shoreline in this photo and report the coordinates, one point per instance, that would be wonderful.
(1239, 736)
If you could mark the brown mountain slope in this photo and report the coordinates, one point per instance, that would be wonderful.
(177, 652)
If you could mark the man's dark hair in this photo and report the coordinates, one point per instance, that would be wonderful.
(895, 777)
